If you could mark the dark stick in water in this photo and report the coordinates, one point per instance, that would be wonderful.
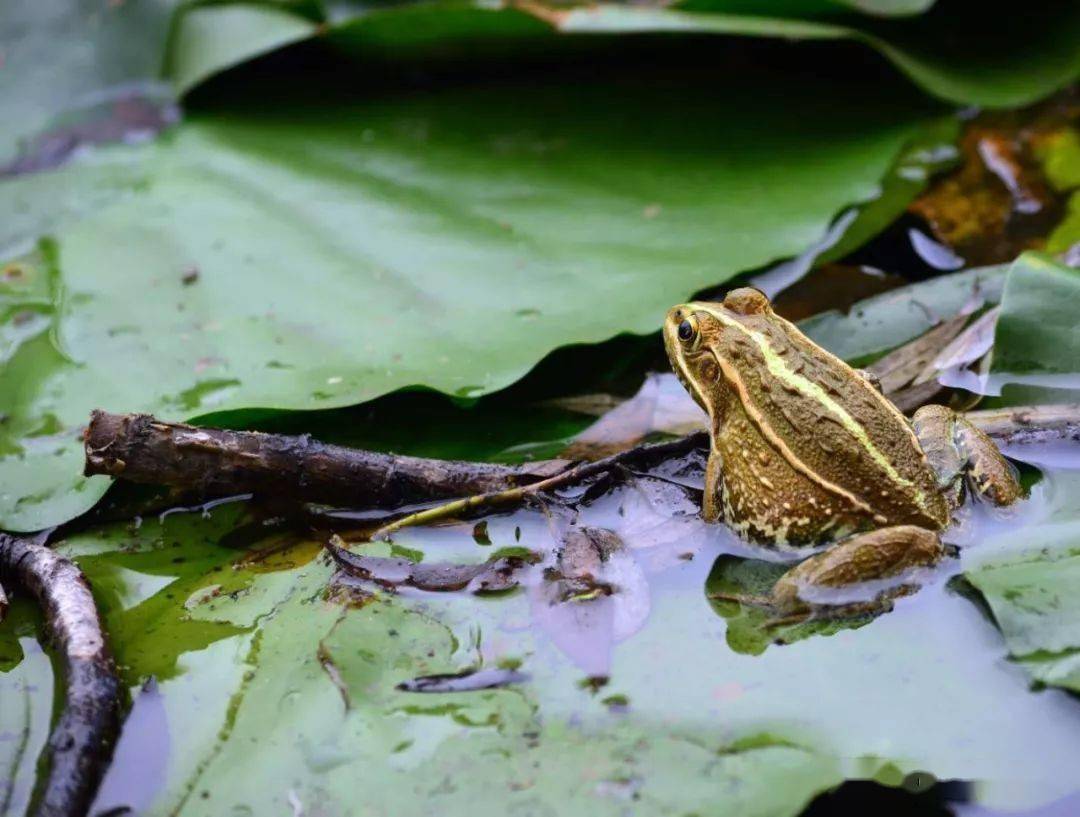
(217, 462)
(80, 745)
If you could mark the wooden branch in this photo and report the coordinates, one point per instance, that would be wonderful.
(80, 745)
(217, 462)
(1029, 425)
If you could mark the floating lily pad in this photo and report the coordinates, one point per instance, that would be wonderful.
(750, 628)
(1036, 345)
(26, 684)
(1036, 332)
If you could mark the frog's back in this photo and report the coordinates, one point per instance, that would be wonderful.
(833, 434)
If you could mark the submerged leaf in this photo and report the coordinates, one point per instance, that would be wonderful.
(751, 628)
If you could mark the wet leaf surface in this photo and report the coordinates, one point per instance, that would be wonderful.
(1036, 332)
(26, 688)
(1027, 584)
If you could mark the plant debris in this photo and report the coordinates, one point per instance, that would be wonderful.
(467, 681)
(494, 575)
(581, 561)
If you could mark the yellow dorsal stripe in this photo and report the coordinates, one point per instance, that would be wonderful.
(732, 376)
(779, 369)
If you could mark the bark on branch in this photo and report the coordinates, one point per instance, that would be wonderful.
(80, 745)
(216, 462)
(1030, 425)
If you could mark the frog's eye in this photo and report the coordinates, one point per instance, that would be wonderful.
(687, 330)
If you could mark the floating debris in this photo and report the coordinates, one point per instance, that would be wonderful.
(494, 575)
(466, 681)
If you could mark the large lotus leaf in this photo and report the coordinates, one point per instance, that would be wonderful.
(211, 38)
(955, 51)
(310, 256)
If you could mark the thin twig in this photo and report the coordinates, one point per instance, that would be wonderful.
(653, 453)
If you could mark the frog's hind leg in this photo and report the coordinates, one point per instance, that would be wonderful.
(817, 584)
(815, 588)
(960, 452)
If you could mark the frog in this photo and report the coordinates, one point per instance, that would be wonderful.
(808, 456)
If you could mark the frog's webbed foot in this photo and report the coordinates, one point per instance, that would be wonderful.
(960, 452)
(748, 599)
(883, 603)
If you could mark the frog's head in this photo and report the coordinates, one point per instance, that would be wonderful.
(700, 336)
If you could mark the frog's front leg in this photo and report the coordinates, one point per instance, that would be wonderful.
(958, 451)
(818, 583)
(712, 500)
